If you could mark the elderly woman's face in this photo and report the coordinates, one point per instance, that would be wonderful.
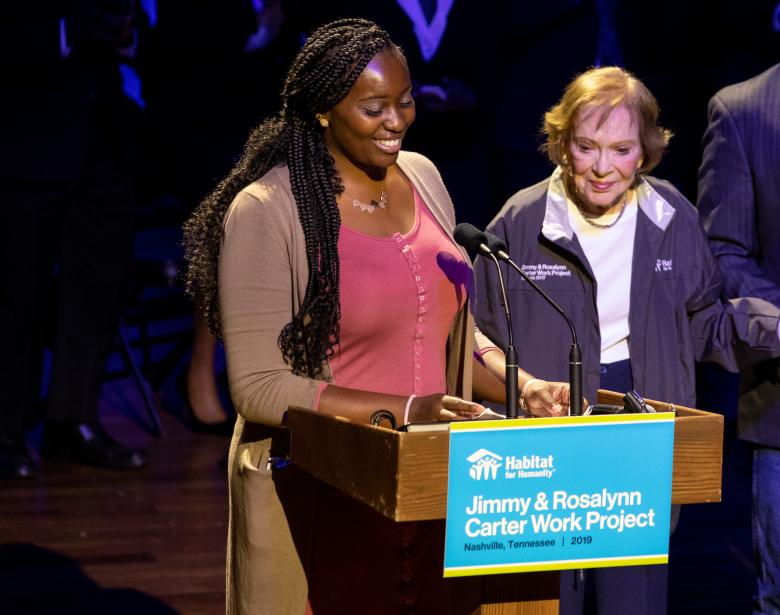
(368, 126)
(604, 158)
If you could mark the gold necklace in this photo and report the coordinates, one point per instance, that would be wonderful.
(590, 221)
(382, 203)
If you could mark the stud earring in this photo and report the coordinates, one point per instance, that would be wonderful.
(322, 120)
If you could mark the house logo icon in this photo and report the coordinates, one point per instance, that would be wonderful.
(484, 465)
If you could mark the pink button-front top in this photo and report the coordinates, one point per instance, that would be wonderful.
(399, 296)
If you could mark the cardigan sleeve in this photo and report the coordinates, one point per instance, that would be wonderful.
(257, 280)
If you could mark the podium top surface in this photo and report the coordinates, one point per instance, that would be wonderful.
(404, 475)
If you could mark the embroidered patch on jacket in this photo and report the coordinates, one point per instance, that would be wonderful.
(663, 264)
(542, 271)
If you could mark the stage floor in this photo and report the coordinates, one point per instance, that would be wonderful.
(85, 540)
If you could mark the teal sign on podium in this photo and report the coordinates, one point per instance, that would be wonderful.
(558, 493)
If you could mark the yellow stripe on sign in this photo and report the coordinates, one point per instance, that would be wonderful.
(609, 562)
(561, 421)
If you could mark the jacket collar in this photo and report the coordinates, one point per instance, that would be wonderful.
(556, 225)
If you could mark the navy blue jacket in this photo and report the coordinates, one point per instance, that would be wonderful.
(676, 316)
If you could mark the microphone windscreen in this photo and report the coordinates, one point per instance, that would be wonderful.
(495, 243)
(470, 237)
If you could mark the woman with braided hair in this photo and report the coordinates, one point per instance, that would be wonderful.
(326, 263)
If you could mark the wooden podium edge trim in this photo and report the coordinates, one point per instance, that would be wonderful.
(404, 475)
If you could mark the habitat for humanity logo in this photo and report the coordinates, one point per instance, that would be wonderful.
(484, 464)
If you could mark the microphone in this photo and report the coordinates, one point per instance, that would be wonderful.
(476, 243)
(497, 248)
(471, 238)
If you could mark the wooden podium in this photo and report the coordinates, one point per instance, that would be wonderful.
(407, 481)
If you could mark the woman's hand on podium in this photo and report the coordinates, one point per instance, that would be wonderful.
(440, 407)
(544, 398)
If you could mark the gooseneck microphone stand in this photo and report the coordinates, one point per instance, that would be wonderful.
(489, 245)
(511, 354)
(476, 243)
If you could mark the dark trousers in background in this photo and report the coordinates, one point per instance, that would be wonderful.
(638, 590)
(63, 261)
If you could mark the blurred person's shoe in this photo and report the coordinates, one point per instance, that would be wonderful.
(223, 428)
(220, 428)
(15, 459)
(89, 443)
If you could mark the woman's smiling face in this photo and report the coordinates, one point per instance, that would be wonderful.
(605, 154)
(367, 127)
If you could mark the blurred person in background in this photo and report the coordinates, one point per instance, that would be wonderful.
(67, 163)
(195, 132)
(739, 202)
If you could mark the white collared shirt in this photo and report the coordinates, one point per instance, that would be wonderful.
(610, 253)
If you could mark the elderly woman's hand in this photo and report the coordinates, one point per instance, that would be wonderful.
(543, 398)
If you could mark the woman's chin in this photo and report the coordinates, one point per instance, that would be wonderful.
(600, 204)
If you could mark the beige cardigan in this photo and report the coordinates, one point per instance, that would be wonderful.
(263, 274)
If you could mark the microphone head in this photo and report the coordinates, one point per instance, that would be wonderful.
(470, 237)
(495, 243)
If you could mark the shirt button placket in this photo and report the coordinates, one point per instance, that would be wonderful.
(422, 308)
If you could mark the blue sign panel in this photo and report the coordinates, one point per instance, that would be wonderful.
(558, 493)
